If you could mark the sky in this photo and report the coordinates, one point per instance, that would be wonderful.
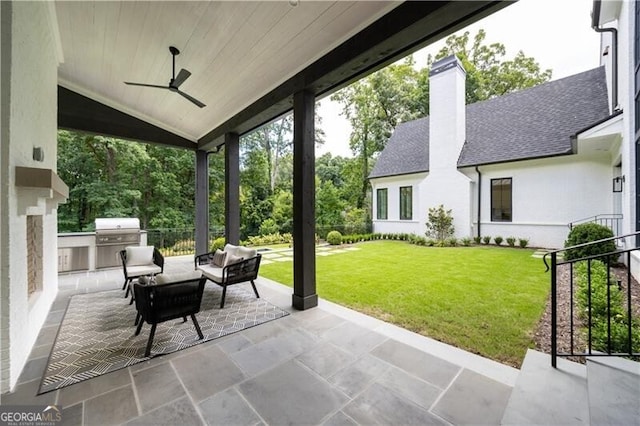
(556, 33)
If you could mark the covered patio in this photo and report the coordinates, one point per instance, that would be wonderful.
(64, 65)
(328, 365)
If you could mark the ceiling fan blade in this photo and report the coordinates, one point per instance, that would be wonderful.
(182, 76)
(192, 99)
(146, 85)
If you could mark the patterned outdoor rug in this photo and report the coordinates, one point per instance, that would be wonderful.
(97, 333)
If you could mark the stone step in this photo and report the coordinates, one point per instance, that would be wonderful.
(614, 391)
(539, 253)
(546, 395)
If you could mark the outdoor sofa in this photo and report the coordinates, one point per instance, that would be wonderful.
(233, 265)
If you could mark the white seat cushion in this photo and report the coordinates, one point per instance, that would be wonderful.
(136, 271)
(180, 276)
(212, 272)
(139, 255)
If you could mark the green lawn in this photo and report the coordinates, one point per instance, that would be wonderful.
(486, 300)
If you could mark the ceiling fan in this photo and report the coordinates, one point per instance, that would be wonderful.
(175, 82)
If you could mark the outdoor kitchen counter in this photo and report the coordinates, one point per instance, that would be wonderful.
(77, 250)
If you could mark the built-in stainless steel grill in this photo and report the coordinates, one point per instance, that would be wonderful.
(113, 235)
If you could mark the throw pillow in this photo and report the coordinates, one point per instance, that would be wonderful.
(139, 255)
(247, 253)
(231, 259)
(219, 258)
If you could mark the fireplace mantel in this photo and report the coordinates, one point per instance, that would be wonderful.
(39, 187)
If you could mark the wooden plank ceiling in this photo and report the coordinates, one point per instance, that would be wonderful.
(236, 51)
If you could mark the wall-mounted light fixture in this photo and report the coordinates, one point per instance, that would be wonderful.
(618, 183)
(38, 153)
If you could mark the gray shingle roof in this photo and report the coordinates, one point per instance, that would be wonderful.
(532, 123)
(406, 150)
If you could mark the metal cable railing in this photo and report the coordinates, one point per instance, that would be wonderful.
(612, 221)
(178, 241)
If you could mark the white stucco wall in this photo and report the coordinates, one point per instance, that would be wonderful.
(626, 101)
(626, 153)
(452, 190)
(29, 113)
(547, 194)
(393, 224)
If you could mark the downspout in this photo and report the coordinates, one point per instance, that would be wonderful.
(595, 18)
(479, 198)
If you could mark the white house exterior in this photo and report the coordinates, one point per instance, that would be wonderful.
(619, 24)
(524, 165)
(28, 200)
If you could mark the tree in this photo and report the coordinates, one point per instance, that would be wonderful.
(489, 74)
(329, 206)
(110, 178)
(376, 104)
(440, 223)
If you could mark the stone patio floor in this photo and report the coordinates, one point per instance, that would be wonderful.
(327, 365)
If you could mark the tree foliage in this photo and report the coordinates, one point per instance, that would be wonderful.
(489, 74)
(113, 178)
(400, 92)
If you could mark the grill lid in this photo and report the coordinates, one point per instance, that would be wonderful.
(122, 224)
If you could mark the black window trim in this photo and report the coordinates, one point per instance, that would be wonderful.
(403, 217)
(493, 218)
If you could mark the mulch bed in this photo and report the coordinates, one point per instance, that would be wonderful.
(542, 335)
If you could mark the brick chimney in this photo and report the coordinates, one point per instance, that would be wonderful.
(447, 127)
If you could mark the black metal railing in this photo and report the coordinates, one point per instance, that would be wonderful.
(178, 241)
(602, 318)
(612, 221)
(181, 241)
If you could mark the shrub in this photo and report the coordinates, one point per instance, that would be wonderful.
(451, 242)
(511, 241)
(598, 290)
(269, 226)
(218, 244)
(419, 241)
(606, 299)
(497, 240)
(486, 239)
(523, 242)
(269, 239)
(477, 240)
(586, 233)
(334, 238)
(440, 223)
(466, 241)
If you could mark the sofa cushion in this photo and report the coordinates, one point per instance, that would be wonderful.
(136, 271)
(231, 249)
(179, 276)
(212, 272)
(219, 258)
(139, 255)
(231, 259)
(245, 252)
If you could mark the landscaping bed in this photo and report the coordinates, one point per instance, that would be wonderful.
(542, 336)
